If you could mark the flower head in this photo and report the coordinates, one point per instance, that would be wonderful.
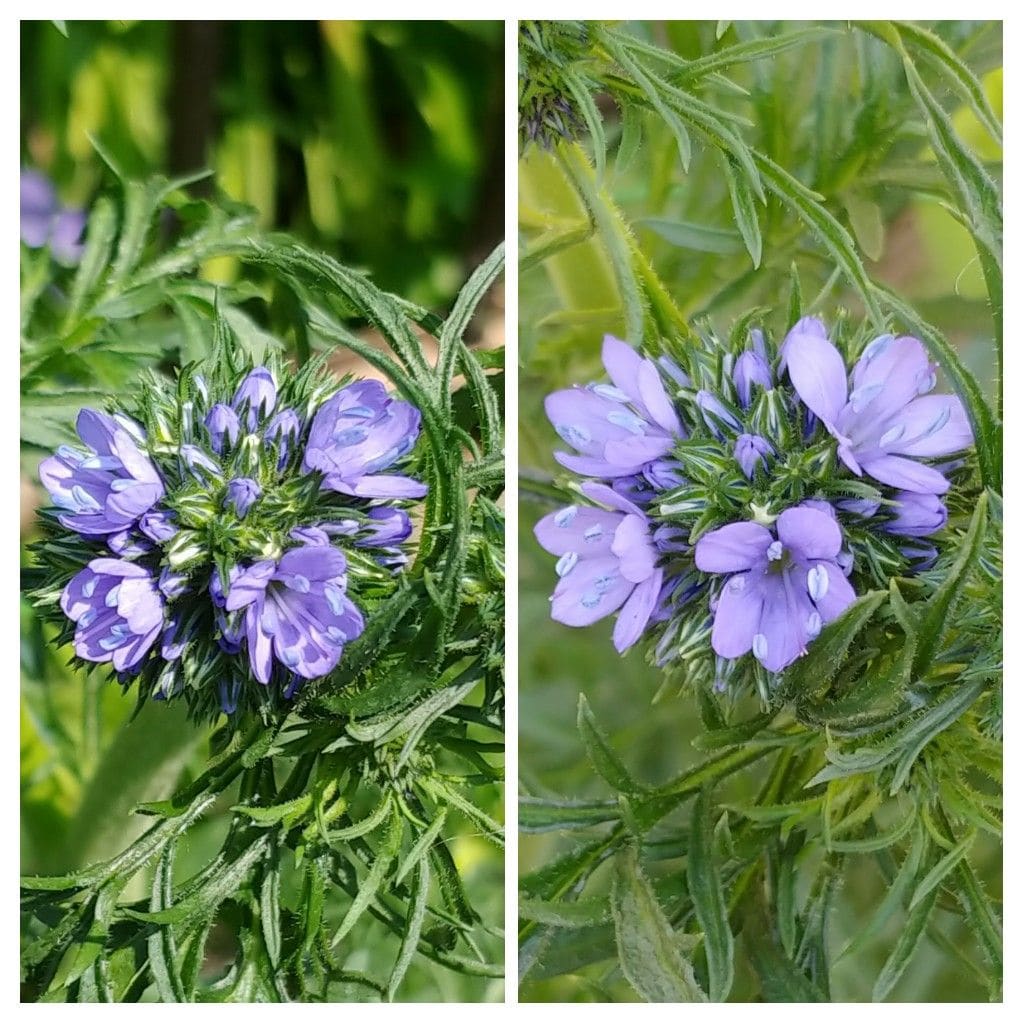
(218, 543)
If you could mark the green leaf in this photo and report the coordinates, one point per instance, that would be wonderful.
(649, 953)
(578, 913)
(288, 812)
(591, 117)
(413, 926)
(95, 257)
(270, 906)
(688, 235)
(933, 620)
(606, 762)
(537, 815)
(385, 855)
(906, 945)
(867, 224)
(162, 952)
(631, 139)
(422, 845)
(744, 211)
(365, 825)
(896, 895)
(709, 902)
(751, 50)
(948, 863)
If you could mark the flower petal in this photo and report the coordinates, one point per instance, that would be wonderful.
(933, 425)
(818, 373)
(737, 616)
(592, 590)
(809, 533)
(907, 474)
(839, 595)
(636, 612)
(732, 548)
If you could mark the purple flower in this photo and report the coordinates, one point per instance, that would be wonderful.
(750, 450)
(387, 526)
(106, 489)
(199, 464)
(222, 424)
(296, 611)
(256, 396)
(716, 415)
(44, 221)
(619, 428)
(917, 515)
(158, 526)
(921, 556)
(283, 430)
(128, 544)
(117, 609)
(358, 432)
(606, 562)
(242, 494)
(888, 415)
(781, 587)
(751, 368)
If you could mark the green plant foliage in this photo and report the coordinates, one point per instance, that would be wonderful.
(832, 832)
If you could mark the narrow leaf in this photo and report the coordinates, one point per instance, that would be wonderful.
(649, 954)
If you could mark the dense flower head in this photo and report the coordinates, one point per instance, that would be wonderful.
(748, 488)
(228, 540)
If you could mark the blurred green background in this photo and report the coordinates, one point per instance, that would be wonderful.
(837, 114)
(377, 142)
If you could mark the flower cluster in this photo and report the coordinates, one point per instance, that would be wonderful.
(744, 491)
(231, 530)
(45, 222)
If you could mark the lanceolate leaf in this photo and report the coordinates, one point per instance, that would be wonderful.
(605, 761)
(649, 952)
(709, 900)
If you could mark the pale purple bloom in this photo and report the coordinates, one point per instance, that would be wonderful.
(358, 432)
(606, 562)
(199, 464)
(751, 368)
(242, 495)
(716, 415)
(256, 396)
(158, 526)
(782, 587)
(310, 535)
(750, 450)
(117, 609)
(616, 428)
(128, 544)
(283, 430)
(296, 611)
(888, 419)
(387, 526)
(106, 489)
(223, 426)
(44, 221)
(172, 584)
(917, 515)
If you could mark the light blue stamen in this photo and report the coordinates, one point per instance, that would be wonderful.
(592, 533)
(566, 563)
(591, 599)
(774, 551)
(611, 392)
(565, 516)
(760, 646)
